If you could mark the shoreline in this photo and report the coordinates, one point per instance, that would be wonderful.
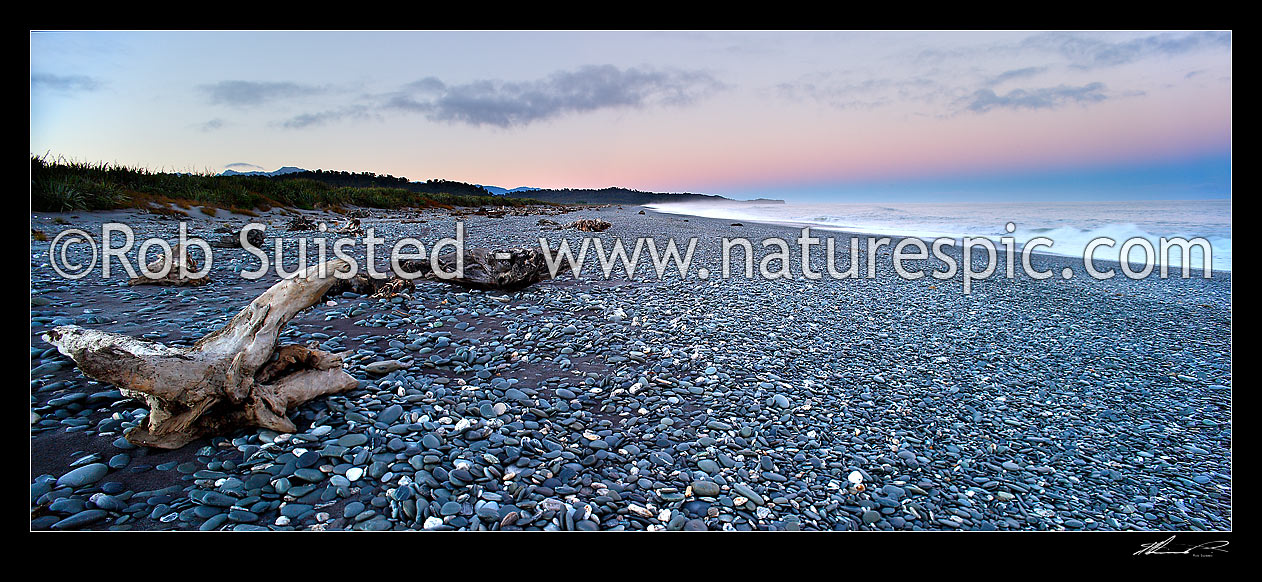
(674, 403)
(1113, 263)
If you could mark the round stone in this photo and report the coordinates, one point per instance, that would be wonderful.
(85, 475)
(352, 440)
(705, 488)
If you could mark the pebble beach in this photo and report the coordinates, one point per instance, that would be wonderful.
(673, 403)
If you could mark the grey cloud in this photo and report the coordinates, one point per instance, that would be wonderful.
(243, 167)
(426, 85)
(851, 97)
(592, 88)
(1015, 74)
(407, 103)
(940, 94)
(984, 100)
(306, 120)
(213, 124)
(743, 44)
(833, 90)
(64, 83)
(249, 93)
(1087, 51)
(957, 79)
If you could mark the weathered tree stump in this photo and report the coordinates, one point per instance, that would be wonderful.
(232, 378)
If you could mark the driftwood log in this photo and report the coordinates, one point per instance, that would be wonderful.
(301, 223)
(352, 228)
(590, 224)
(232, 378)
(233, 240)
(506, 270)
(375, 287)
(179, 257)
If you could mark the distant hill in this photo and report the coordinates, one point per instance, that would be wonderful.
(622, 196)
(340, 179)
(496, 190)
(612, 195)
(280, 172)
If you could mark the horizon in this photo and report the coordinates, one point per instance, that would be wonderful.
(799, 116)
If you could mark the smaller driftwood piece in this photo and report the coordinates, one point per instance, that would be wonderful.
(233, 378)
(178, 274)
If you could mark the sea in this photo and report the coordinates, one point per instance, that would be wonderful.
(1070, 225)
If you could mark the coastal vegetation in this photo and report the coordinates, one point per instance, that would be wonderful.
(62, 185)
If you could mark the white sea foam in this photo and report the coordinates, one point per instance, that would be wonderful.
(1071, 225)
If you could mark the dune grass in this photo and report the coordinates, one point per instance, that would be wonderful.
(64, 185)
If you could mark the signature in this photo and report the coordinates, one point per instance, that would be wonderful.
(1164, 547)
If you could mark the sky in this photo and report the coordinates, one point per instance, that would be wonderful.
(796, 115)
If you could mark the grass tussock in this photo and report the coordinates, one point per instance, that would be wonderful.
(62, 185)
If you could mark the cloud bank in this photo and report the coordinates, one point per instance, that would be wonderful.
(324, 117)
(1015, 74)
(1042, 98)
(1087, 52)
(587, 89)
(64, 83)
(834, 90)
(213, 125)
(251, 93)
(959, 82)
